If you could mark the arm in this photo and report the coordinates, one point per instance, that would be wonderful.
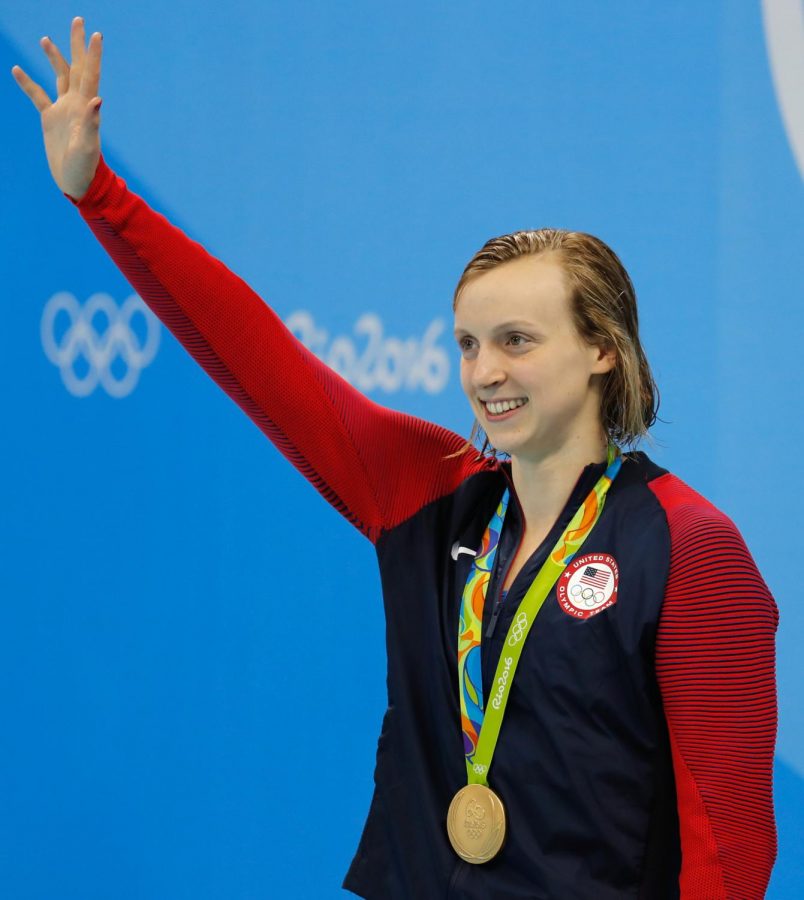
(715, 665)
(376, 466)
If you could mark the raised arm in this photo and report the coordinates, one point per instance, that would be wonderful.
(376, 466)
(715, 657)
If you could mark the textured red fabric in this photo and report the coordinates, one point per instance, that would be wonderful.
(715, 666)
(374, 465)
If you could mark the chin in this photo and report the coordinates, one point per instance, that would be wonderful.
(502, 445)
(523, 447)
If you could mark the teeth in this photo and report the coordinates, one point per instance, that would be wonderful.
(496, 408)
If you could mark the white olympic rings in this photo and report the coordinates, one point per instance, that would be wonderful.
(98, 349)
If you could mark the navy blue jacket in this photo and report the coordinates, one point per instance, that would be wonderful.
(583, 763)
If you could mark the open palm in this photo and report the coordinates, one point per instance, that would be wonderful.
(71, 125)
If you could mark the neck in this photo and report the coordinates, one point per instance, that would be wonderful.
(543, 484)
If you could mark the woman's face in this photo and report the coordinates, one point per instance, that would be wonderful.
(532, 381)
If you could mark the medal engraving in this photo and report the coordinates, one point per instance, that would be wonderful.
(476, 823)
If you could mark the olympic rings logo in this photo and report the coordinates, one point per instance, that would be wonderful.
(518, 630)
(586, 596)
(99, 349)
(479, 769)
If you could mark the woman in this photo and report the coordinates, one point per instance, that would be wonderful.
(580, 647)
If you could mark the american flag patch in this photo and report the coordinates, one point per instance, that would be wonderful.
(588, 585)
(597, 578)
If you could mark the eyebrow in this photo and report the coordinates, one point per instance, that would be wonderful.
(513, 325)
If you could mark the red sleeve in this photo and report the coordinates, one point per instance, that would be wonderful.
(715, 664)
(374, 465)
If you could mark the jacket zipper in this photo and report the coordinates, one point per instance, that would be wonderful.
(456, 874)
(498, 603)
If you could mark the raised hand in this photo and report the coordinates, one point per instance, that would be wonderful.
(70, 125)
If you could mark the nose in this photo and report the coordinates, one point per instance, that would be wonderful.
(487, 370)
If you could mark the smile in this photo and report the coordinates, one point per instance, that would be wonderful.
(500, 407)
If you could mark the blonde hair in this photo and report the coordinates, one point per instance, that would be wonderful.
(603, 303)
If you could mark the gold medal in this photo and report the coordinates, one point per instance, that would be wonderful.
(476, 823)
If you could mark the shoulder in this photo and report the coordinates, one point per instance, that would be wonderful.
(700, 533)
(711, 568)
(691, 518)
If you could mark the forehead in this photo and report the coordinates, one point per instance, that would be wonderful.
(530, 287)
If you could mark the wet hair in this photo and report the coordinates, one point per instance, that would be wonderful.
(604, 309)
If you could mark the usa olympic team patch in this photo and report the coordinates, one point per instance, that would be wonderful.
(588, 585)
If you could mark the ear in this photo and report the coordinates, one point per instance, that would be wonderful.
(605, 359)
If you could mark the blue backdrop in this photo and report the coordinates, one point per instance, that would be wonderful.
(161, 738)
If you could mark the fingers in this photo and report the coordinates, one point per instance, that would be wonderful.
(59, 64)
(90, 78)
(77, 38)
(35, 93)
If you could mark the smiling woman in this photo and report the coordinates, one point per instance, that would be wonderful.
(522, 352)
(599, 297)
(614, 617)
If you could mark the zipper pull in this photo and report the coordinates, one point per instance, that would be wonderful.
(495, 614)
(493, 622)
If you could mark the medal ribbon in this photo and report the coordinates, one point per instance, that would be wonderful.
(481, 726)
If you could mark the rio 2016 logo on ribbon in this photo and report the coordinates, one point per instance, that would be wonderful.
(784, 35)
(384, 363)
(96, 351)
